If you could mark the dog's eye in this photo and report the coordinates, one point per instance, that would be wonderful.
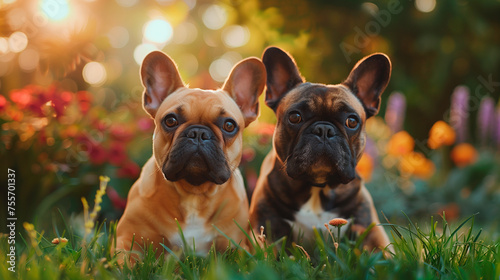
(229, 126)
(171, 121)
(351, 122)
(294, 117)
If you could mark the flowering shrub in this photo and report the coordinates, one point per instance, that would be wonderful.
(62, 140)
(441, 173)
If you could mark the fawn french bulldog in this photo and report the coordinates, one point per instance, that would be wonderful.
(192, 177)
(309, 176)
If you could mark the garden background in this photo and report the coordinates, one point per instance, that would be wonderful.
(70, 103)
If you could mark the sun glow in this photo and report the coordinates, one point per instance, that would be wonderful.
(55, 10)
(158, 31)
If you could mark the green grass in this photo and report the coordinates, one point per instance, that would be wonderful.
(438, 252)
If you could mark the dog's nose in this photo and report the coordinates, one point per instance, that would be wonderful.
(323, 131)
(199, 133)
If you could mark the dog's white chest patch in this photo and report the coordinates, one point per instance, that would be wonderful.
(195, 233)
(312, 215)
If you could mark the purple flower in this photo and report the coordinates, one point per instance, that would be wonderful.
(497, 126)
(371, 148)
(460, 112)
(395, 112)
(486, 120)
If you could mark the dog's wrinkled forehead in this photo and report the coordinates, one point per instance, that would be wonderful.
(200, 105)
(323, 98)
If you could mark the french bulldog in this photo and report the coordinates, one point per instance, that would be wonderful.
(192, 177)
(309, 176)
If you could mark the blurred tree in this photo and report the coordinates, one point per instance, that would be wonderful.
(432, 52)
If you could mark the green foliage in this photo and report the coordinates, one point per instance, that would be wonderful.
(436, 253)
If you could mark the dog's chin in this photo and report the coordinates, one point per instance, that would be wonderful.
(321, 174)
(197, 173)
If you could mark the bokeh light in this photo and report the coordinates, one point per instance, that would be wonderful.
(4, 45)
(185, 33)
(221, 67)
(115, 68)
(188, 64)
(18, 41)
(16, 18)
(94, 73)
(165, 2)
(28, 60)
(190, 3)
(118, 37)
(55, 9)
(235, 36)
(158, 31)
(142, 50)
(127, 3)
(214, 17)
(425, 6)
(370, 8)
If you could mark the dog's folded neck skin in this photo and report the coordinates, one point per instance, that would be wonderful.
(332, 194)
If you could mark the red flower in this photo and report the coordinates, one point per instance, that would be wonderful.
(117, 154)
(121, 133)
(84, 101)
(129, 170)
(3, 103)
(42, 137)
(83, 138)
(38, 99)
(100, 125)
(117, 201)
(60, 99)
(247, 155)
(21, 97)
(34, 98)
(145, 124)
(97, 153)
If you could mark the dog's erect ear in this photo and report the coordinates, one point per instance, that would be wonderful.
(160, 78)
(368, 79)
(282, 75)
(245, 84)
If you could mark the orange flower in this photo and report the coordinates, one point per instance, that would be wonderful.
(338, 222)
(463, 154)
(452, 211)
(441, 134)
(59, 240)
(417, 164)
(400, 144)
(365, 167)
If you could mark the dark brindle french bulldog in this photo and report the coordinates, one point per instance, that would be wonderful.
(309, 176)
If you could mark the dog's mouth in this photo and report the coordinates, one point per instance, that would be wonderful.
(197, 165)
(321, 165)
